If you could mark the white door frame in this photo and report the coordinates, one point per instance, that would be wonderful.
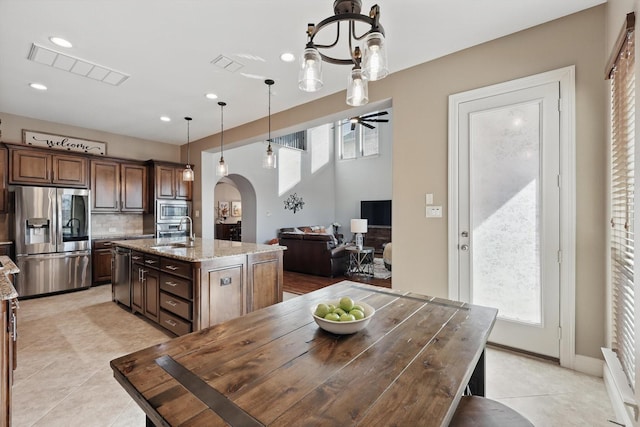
(566, 78)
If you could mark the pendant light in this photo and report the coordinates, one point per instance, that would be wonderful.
(187, 173)
(269, 159)
(222, 169)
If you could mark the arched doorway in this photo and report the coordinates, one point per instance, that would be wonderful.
(234, 204)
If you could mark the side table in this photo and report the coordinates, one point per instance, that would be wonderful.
(360, 260)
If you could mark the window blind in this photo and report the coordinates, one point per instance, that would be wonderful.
(622, 77)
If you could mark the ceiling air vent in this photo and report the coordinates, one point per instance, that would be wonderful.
(227, 63)
(80, 67)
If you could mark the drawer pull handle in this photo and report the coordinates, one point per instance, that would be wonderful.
(171, 303)
(150, 261)
(172, 268)
(171, 283)
(225, 281)
(136, 257)
(171, 322)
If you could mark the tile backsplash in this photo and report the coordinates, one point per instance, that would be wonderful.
(115, 224)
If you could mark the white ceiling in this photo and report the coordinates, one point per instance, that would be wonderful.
(166, 46)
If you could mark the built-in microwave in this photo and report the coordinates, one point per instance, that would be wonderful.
(172, 210)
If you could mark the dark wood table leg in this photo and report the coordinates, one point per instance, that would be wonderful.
(477, 381)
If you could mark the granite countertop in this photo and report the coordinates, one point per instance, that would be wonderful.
(7, 291)
(202, 250)
(120, 236)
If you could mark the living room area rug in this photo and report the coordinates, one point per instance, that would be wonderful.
(379, 270)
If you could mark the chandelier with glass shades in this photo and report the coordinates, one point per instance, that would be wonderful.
(369, 64)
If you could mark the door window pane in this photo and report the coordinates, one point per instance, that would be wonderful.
(505, 211)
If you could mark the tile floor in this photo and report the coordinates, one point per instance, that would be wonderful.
(64, 379)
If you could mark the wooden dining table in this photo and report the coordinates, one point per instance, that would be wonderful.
(276, 367)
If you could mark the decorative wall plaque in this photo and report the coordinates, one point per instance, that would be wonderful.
(60, 142)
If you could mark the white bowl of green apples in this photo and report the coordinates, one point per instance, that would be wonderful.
(342, 316)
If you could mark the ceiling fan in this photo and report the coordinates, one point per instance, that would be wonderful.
(368, 118)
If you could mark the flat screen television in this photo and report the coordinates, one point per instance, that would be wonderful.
(376, 212)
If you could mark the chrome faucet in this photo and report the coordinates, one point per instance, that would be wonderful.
(192, 237)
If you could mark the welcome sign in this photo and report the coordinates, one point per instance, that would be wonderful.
(60, 142)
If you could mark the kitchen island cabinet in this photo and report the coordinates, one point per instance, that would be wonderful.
(8, 345)
(185, 289)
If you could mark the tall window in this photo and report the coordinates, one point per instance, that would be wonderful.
(621, 73)
(359, 142)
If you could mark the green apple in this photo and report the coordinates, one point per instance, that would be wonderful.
(357, 307)
(333, 317)
(346, 304)
(357, 314)
(322, 310)
(339, 311)
(347, 317)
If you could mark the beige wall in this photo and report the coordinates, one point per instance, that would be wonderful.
(420, 100)
(117, 145)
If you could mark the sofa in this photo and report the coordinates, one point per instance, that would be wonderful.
(313, 250)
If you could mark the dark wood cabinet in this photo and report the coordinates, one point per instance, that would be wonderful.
(168, 183)
(229, 232)
(145, 283)
(184, 296)
(101, 261)
(4, 190)
(8, 356)
(38, 167)
(264, 270)
(377, 236)
(118, 186)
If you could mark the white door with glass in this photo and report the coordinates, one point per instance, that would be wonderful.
(508, 216)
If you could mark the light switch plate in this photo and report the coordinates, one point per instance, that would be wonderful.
(429, 199)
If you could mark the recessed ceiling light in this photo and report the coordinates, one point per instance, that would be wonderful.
(211, 96)
(60, 42)
(288, 57)
(165, 118)
(38, 86)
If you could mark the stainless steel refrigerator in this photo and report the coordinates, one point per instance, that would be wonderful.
(52, 231)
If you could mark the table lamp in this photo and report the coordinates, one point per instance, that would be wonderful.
(359, 226)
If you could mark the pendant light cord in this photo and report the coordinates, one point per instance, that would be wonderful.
(222, 104)
(188, 142)
(269, 83)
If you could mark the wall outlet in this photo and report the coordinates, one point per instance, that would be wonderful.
(197, 213)
(434, 212)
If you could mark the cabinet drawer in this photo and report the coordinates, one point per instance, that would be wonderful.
(176, 285)
(137, 257)
(173, 266)
(174, 323)
(102, 244)
(175, 305)
(152, 261)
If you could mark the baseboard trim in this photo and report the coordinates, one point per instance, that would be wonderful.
(588, 365)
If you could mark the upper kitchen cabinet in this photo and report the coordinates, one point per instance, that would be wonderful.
(119, 186)
(168, 183)
(4, 191)
(40, 167)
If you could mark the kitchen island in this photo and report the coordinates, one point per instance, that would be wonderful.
(8, 336)
(188, 288)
